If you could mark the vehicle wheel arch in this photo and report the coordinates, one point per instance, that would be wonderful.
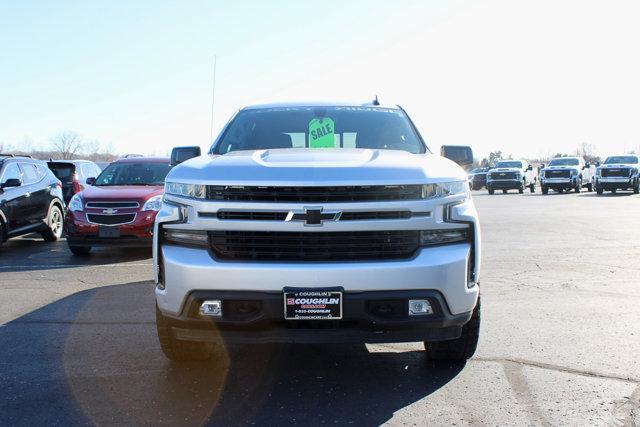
(4, 228)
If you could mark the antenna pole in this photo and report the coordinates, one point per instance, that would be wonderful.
(213, 95)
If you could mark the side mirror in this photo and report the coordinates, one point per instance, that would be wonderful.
(11, 182)
(461, 154)
(542, 166)
(181, 154)
(529, 168)
(91, 180)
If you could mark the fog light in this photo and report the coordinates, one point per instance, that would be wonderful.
(211, 308)
(419, 307)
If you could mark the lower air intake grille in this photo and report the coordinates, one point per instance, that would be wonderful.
(111, 219)
(314, 246)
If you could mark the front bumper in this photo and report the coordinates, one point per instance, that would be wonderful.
(138, 233)
(559, 183)
(441, 268)
(368, 317)
(506, 184)
(615, 183)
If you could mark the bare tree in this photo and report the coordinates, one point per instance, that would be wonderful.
(66, 144)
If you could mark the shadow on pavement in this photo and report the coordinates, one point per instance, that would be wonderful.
(32, 254)
(93, 357)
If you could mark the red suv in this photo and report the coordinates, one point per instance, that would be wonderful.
(119, 208)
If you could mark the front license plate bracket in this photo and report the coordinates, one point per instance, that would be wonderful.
(313, 303)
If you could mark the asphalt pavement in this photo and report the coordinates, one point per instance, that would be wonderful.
(560, 338)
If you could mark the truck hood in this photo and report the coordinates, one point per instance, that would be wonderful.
(308, 167)
(560, 167)
(506, 170)
(620, 165)
(121, 192)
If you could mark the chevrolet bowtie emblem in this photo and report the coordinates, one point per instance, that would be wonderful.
(110, 211)
(313, 216)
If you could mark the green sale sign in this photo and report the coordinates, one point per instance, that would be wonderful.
(321, 133)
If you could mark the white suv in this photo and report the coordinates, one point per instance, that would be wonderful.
(317, 223)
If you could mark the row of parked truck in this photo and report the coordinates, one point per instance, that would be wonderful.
(561, 174)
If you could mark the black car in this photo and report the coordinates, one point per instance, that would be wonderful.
(73, 174)
(478, 178)
(30, 199)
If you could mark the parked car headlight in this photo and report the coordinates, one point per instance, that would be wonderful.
(444, 189)
(439, 237)
(598, 172)
(196, 191)
(153, 204)
(75, 204)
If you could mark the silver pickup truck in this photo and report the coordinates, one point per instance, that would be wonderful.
(318, 223)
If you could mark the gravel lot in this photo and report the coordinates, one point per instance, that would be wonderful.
(560, 341)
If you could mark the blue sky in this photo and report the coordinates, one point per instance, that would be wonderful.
(529, 78)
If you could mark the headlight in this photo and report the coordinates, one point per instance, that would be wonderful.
(75, 204)
(444, 189)
(439, 237)
(196, 191)
(186, 237)
(574, 172)
(153, 204)
(598, 172)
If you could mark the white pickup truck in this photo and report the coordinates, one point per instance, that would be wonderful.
(619, 173)
(511, 175)
(318, 223)
(567, 173)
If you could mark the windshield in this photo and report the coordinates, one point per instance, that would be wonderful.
(127, 173)
(514, 164)
(621, 159)
(320, 127)
(564, 162)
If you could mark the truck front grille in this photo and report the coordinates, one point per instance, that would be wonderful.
(373, 193)
(557, 173)
(503, 175)
(282, 216)
(618, 172)
(314, 246)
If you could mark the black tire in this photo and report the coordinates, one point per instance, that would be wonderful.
(560, 190)
(521, 189)
(636, 187)
(532, 188)
(614, 191)
(545, 190)
(590, 187)
(599, 191)
(2, 231)
(178, 350)
(55, 225)
(460, 349)
(80, 250)
(504, 191)
(578, 186)
(491, 191)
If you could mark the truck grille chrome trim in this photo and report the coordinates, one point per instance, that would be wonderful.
(282, 215)
(315, 194)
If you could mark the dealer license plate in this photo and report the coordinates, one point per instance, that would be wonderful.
(312, 304)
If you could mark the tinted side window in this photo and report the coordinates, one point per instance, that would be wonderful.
(30, 174)
(11, 171)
